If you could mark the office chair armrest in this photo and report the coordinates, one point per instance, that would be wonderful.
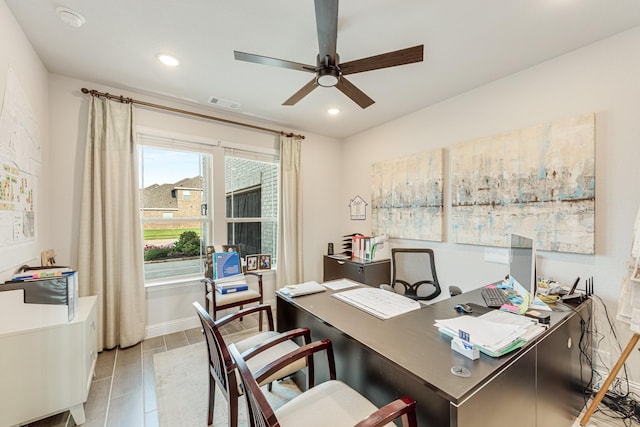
(246, 311)
(403, 407)
(259, 276)
(305, 333)
(304, 351)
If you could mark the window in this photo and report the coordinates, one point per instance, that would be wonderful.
(251, 186)
(177, 198)
(172, 195)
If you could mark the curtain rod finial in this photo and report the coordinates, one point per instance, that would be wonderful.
(84, 90)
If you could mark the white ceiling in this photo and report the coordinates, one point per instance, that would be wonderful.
(467, 43)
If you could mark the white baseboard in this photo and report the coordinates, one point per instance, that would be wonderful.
(171, 326)
(183, 324)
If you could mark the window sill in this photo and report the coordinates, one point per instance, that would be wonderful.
(181, 282)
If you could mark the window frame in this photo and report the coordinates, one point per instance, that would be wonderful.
(263, 156)
(215, 221)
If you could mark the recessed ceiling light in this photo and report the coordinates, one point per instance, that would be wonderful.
(333, 111)
(70, 17)
(168, 60)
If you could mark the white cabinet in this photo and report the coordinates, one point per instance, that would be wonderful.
(48, 368)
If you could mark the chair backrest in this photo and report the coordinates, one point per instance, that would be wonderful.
(414, 273)
(221, 365)
(260, 411)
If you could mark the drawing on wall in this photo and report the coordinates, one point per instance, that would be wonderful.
(358, 208)
(538, 181)
(406, 196)
(20, 161)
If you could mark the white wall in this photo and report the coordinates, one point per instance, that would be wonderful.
(169, 307)
(18, 55)
(600, 78)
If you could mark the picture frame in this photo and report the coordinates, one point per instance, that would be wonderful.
(264, 262)
(230, 248)
(252, 262)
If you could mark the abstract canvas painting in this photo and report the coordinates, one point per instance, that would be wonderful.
(538, 181)
(407, 196)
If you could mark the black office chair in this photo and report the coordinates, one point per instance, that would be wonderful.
(414, 273)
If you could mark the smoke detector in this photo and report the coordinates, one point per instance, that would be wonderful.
(219, 102)
(70, 17)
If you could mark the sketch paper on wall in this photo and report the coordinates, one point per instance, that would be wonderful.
(406, 199)
(20, 161)
(538, 180)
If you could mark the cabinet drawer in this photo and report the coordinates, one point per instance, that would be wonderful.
(339, 269)
(368, 273)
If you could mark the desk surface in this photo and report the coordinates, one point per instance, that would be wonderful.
(420, 349)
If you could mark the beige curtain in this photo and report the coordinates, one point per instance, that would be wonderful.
(290, 267)
(110, 259)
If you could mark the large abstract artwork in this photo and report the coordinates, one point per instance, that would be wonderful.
(407, 197)
(538, 181)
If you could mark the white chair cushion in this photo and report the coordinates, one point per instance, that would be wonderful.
(223, 299)
(332, 403)
(262, 359)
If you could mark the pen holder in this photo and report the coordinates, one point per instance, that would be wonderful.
(465, 348)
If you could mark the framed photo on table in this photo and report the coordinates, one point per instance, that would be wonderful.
(264, 262)
(252, 262)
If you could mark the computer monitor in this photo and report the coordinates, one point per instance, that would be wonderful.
(523, 264)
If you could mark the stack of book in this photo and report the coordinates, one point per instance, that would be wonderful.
(361, 247)
(228, 287)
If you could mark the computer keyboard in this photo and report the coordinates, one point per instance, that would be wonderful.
(494, 297)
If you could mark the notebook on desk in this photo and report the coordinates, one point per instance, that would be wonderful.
(306, 288)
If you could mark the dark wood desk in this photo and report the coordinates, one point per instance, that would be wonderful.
(540, 384)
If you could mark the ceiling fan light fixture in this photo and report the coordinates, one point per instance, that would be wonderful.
(328, 77)
(168, 60)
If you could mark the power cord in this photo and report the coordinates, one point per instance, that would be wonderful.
(618, 402)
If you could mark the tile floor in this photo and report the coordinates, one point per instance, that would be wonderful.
(123, 391)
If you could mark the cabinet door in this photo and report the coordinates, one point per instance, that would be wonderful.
(563, 372)
(89, 348)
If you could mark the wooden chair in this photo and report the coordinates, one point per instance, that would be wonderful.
(331, 403)
(258, 351)
(216, 301)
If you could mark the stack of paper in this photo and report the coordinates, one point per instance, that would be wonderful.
(495, 333)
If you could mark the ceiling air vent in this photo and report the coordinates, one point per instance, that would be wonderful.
(219, 102)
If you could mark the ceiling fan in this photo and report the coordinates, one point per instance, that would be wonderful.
(328, 70)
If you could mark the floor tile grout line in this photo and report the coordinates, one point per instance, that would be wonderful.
(113, 374)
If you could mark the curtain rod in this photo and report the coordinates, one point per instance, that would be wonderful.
(188, 113)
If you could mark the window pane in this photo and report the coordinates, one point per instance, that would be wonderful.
(174, 222)
(252, 192)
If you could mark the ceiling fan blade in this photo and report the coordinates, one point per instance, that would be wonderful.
(304, 91)
(274, 62)
(327, 24)
(385, 60)
(356, 95)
